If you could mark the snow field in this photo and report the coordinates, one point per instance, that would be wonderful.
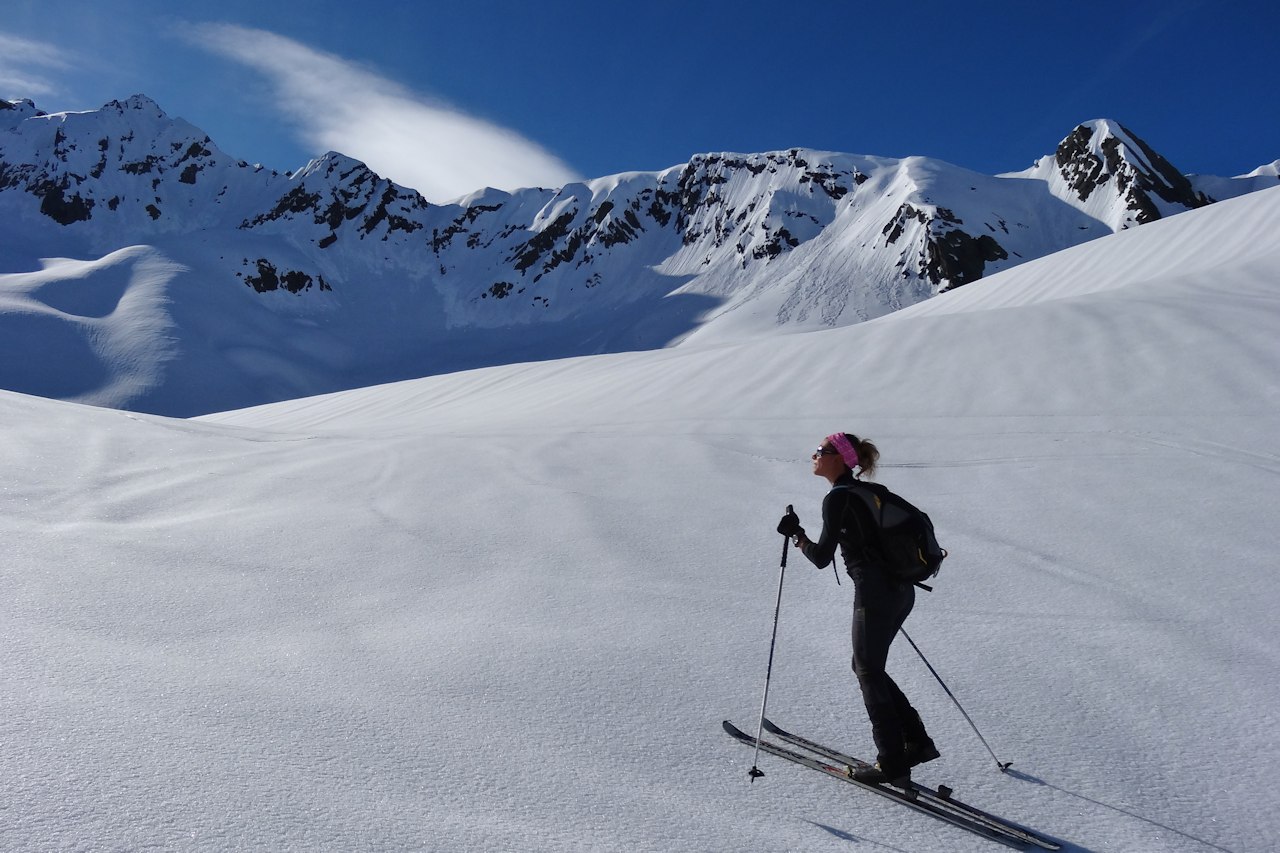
(507, 609)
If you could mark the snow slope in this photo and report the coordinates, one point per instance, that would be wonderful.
(282, 286)
(507, 609)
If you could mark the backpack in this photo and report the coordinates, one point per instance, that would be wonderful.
(904, 534)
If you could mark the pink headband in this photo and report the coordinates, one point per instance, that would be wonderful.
(847, 451)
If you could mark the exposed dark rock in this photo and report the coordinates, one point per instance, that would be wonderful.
(544, 241)
(574, 241)
(101, 166)
(440, 240)
(1084, 171)
(141, 167)
(959, 258)
(295, 281)
(1166, 182)
(269, 279)
(894, 228)
(659, 213)
(622, 230)
(776, 245)
(55, 204)
(382, 214)
(360, 193)
(829, 181)
(59, 140)
(296, 200)
(196, 149)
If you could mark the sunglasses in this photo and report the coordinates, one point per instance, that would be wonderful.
(826, 451)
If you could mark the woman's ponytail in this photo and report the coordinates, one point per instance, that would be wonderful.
(868, 455)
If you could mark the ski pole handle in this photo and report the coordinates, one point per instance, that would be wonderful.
(786, 540)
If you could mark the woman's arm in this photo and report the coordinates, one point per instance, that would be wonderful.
(822, 552)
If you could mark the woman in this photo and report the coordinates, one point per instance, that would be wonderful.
(880, 605)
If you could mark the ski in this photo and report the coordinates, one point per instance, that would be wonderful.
(941, 795)
(938, 810)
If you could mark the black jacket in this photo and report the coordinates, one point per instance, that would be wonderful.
(847, 522)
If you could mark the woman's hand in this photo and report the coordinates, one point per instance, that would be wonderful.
(789, 525)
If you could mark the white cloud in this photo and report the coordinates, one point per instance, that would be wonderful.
(422, 143)
(24, 65)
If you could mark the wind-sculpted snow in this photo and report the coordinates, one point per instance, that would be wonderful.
(507, 609)
(96, 331)
(332, 276)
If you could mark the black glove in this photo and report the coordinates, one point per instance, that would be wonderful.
(790, 524)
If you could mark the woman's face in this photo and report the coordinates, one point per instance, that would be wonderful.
(827, 462)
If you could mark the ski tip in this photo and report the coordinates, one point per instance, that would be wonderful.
(774, 729)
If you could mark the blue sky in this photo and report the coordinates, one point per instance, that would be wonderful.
(440, 95)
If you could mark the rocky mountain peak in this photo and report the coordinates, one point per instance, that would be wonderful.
(128, 162)
(335, 194)
(1104, 154)
(137, 104)
(13, 112)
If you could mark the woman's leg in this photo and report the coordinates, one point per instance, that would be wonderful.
(879, 611)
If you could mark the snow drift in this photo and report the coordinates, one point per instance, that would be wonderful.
(507, 608)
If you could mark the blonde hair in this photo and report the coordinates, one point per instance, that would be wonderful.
(868, 455)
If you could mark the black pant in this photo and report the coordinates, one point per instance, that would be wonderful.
(880, 606)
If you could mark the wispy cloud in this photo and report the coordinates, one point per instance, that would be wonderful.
(420, 142)
(25, 67)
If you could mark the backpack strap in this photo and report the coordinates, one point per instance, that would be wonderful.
(869, 539)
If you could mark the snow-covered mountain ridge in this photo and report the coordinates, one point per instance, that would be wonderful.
(286, 285)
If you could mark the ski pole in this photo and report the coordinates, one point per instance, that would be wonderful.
(1003, 765)
(755, 770)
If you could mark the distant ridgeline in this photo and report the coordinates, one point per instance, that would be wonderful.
(388, 285)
